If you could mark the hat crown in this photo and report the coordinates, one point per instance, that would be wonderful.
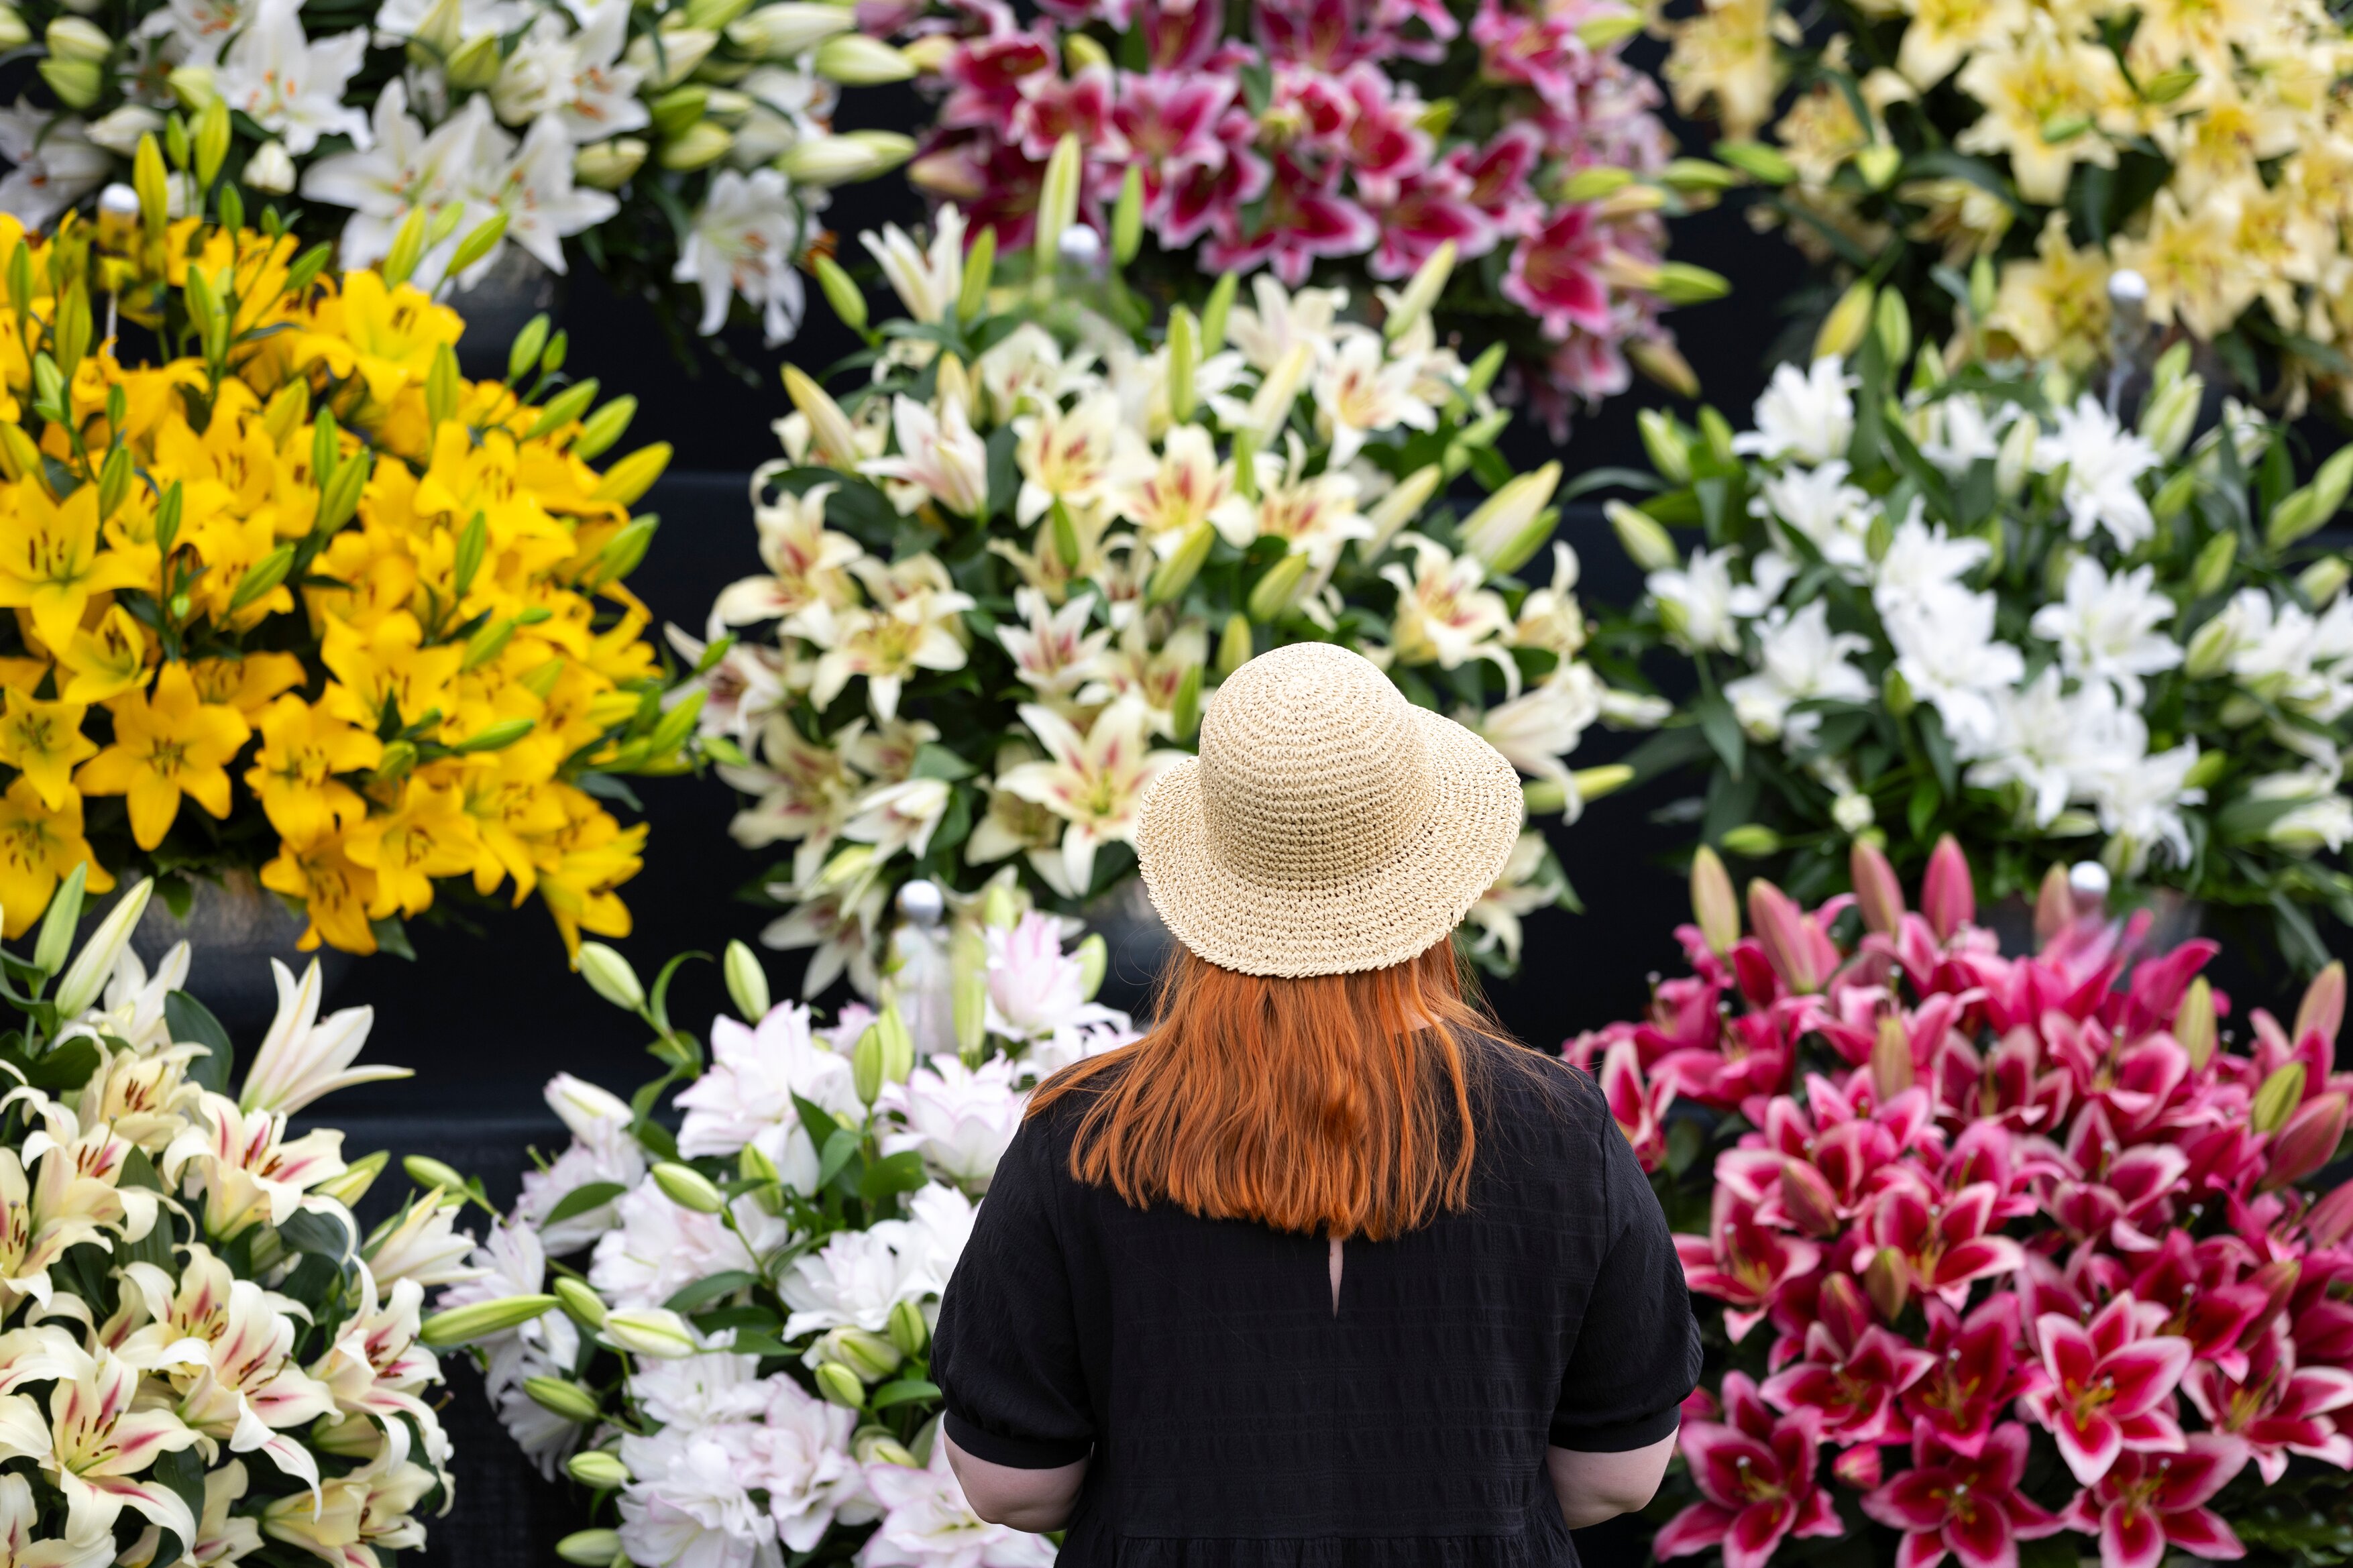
(1312, 768)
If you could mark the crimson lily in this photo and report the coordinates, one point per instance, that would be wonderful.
(1640, 1109)
(2150, 1501)
(1970, 1507)
(1852, 1372)
(2276, 1407)
(1975, 1371)
(1742, 1262)
(2201, 1285)
(2112, 1383)
(1941, 1236)
(1755, 1478)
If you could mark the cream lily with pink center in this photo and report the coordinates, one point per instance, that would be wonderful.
(1093, 782)
(89, 1441)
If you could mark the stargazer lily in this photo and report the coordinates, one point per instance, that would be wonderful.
(1094, 782)
(2149, 1502)
(1755, 1478)
(2111, 1382)
(1969, 1507)
(90, 1443)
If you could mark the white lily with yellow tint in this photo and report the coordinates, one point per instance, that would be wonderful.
(302, 1058)
(250, 1171)
(1094, 782)
(90, 1440)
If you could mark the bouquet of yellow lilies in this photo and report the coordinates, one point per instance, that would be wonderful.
(292, 596)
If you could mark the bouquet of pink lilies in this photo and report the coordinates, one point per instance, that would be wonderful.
(2027, 1245)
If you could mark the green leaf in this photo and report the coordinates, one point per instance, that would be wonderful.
(934, 760)
(392, 937)
(899, 1173)
(709, 1289)
(1939, 747)
(905, 1391)
(581, 1199)
(839, 1150)
(1921, 809)
(192, 1024)
(1722, 728)
(658, 999)
(305, 1231)
(184, 1472)
(816, 1120)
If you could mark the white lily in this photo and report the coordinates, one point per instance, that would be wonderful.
(1360, 391)
(926, 280)
(93, 1445)
(804, 559)
(250, 1172)
(1167, 499)
(896, 817)
(1094, 782)
(534, 189)
(1076, 456)
(939, 455)
(1053, 649)
(55, 164)
(288, 85)
(1443, 615)
(1537, 730)
(402, 170)
(301, 1059)
(742, 244)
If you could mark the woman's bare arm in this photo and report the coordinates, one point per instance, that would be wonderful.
(1024, 1499)
(1595, 1487)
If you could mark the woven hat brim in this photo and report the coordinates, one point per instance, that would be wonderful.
(1383, 915)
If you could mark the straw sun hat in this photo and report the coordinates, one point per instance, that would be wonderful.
(1328, 826)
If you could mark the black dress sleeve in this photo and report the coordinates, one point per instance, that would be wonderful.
(1637, 1353)
(1006, 1352)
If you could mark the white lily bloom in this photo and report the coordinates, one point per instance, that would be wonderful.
(898, 817)
(1360, 391)
(288, 85)
(2052, 745)
(687, 1504)
(301, 1059)
(2107, 627)
(54, 163)
(511, 1262)
(1707, 606)
(927, 280)
(1834, 515)
(660, 1248)
(1444, 616)
(1094, 782)
(940, 457)
(851, 1282)
(747, 1095)
(742, 244)
(692, 1391)
(1807, 414)
(402, 170)
(805, 1465)
(1524, 886)
(2140, 804)
(1946, 651)
(1078, 457)
(534, 189)
(1051, 649)
(959, 1119)
(1800, 660)
(1537, 730)
(2104, 462)
(1266, 330)
(198, 29)
(1922, 561)
(927, 1523)
(1958, 431)
(606, 1152)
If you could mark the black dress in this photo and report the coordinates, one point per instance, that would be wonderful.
(1232, 1419)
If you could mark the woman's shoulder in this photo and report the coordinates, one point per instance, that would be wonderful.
(1534, 1100)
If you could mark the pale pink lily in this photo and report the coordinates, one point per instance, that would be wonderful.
(250, 1172)
(1443, 615)
(1187, 487)
(887, 647)
(92, 1444)
(1075, 456)
(20, 1517)
(841, 923)
(35, 1234)
(375, 1369)
(896, 817)
(927, 280)
(804, 559)
(939, 456)
(802, 795)
(1315, 515)
(1094, 782)
(1360, 391)
(1053, 649)
(301, 1059)
(422, 1243)
(222, 1343)
(1155, 675)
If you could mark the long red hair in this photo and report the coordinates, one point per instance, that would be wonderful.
(1337, 1103)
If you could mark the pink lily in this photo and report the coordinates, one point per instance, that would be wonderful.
(1742, 1262)
(1967, 1505)
(1756, 1479)
(2276, 1407)
(1639, 1108)
(1852, 1372)
(2151, 1502)
(1306, 217)
(2111, 1385)
(1942, 1237)
(1977, 1372)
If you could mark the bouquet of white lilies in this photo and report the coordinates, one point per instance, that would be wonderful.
(685, 148)
(1995, 608)
(1004, 576)
(200, 1359)
(724, 1328)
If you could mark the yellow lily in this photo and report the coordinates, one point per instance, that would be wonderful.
(303, 749)
(249, 684)
(387, 335)
(387, 664)
(428, 836)
(50, 562)
(39, 844)
(580, 867)
(166, 745)
(105, 660)
(335, 891)
(43, 741)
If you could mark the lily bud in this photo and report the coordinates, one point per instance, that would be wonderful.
(1781, 928)
(866, 1066)
(682, 49)
(479, 1320)
(831, 432)
(1234, 646)
(77, 83)
(2308, 1140)
(1812, 1206)
(2212, 647)
(2194, 1027)
(968, 984)
(1421, 292)
(747, 981)
(87, 975)
(1877, 892)
(650, 1331)
(870, 1356)
(909, 1332)
(2301, 512)
(429, 1173)
(1173, 576)
(1841, 330)
(1645, 541)
(2173, 496)
(1750, 841)
(608, 166)
(875, 1446)
(592, 1548)
(2278, 1099)
(2166, 420)
(610, 975)
(1892, 325)
(1400, 506)
(898, 1043)
(2331, 1219)
(1884, 1281)
(1663, 362)
(1946, 897)
(581, 1303)
(1766, 164)
(689, 1188)
(350, 1184)
(855, 59)
(824, 161)
(1893, 1070)
(703, 145)
(1270, 406)
(1669, 452)
(782, 31)
(1092, 956)
(2015, 458)
(1715, 910)
(72, 38)
(2322, 1011)
(1058, 200)
(1680, 283)
(2054, 904)
(840, 1385)
(2323, 580)
(596, 1468)
(1498, 531)
(561, 1397)
(14, 33)
(1594, 782)
(475, 65)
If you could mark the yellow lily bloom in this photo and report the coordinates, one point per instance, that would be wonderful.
(429, 835)
(303, 749)
(249, 684)
(105, 660)
(39, 844)
(335, 891)
(43, 741)
(166, 744)
(580, 867)
(513, 805)
(50, 562)
(387, 335)
(386, 664)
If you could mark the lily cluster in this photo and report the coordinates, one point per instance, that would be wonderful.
(299, 600)
(732, 1355)
(1344, 145)
(1995, 607)
(1999, 161)
(1006, 577)
(681, 148)
(2024, 1243)
(202, 1360)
